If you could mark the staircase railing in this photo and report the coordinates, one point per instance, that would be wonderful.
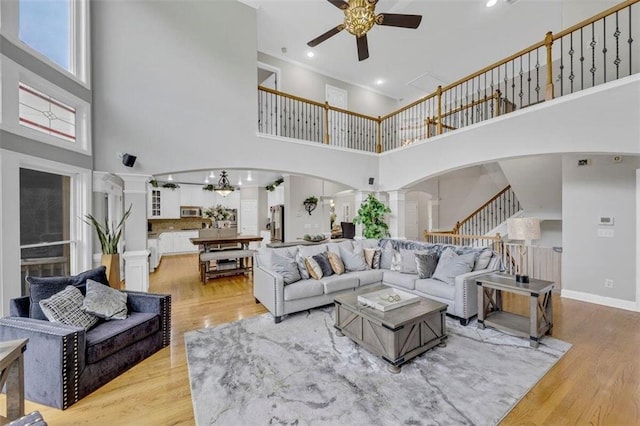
(495, 242)
(593, 52)
(499, 208)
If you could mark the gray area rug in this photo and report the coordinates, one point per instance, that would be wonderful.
(298, 372)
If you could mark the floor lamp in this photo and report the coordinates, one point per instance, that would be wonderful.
(524, 229)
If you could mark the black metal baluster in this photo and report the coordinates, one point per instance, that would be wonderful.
(521, 94)
(537, 88)
(604, 48)
(581, 59)
(571, 53)
(593, 55)
(529, 78)
(561, 66)
(630, 41)
(617, 61)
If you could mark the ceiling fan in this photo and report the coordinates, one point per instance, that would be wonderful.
(359, 17)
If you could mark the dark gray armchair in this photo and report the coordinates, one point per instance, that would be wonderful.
(65, 363)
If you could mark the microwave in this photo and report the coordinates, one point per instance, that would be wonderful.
(190, 212)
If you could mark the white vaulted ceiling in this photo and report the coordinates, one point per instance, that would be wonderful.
(455, 38)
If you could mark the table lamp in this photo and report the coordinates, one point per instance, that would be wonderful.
(525, 229)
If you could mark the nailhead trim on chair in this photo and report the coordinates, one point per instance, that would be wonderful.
(74, 379)
(165, 303)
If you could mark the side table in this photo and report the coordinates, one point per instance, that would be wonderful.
(490, 312)
(12, 375)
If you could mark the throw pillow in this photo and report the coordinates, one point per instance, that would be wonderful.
(314, 269)
(105, 302)
(336, 263)
(426, 264)
(44, 287)
(303, 253)
(483, 260)
(66, 307)
(387, 255)
(450, 265)
(322, 260)
(408, 261)
(285, 266)
(396, 259)
(353, 260)
(372, 257)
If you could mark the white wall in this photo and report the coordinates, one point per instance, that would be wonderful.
(537, 182)
(309, 84)
(297, 221)
(602, 189)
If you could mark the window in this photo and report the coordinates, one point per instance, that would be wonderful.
(46, 26)
(45, 224)
(46, 114)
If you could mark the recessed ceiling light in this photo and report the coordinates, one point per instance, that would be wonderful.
(310, 54)
(379, 81)
(170, 178)
(212, 175)
(249, 178)
(492, 3)
(239, 182)
(206, 179)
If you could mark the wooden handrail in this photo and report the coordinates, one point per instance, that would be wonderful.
(546, 42)
(321, 105)
(476, 211)
(595, 18)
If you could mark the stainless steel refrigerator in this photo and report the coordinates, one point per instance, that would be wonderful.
(277, 223)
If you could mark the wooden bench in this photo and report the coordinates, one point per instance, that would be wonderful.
(239, 256)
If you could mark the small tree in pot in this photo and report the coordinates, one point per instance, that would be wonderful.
(371, 216)
(109, 236)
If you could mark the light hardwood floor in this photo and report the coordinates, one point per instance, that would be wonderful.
(597, 382)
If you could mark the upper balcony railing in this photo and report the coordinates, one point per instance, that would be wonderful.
(593, 52)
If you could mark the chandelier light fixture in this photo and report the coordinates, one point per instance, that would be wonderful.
(223, 188)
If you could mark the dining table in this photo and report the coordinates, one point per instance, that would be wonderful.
(213, 241)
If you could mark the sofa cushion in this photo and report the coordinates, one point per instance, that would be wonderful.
(66, 307)
(110, 336)
(353, 259)
(104, 302)
(426, 264)
(398, 279)
(408, 261)
(307, 251)
(339, 283)
(303, 289)
(372, 257)
(371, 276)
(483, 259)
(431, 287)
(450, 265)
(386, 256)
(285, 266)
(45, 287)
(313, 269)
(322, 259)
(265, 255)
(335, 247)
(336, 262)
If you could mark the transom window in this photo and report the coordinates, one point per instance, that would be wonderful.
(45, 114)
(46, 26)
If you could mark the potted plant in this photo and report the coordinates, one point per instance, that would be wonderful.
(109, 236)
(371, 216)
(310, 204)
(218, 213)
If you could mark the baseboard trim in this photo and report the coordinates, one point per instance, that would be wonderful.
(601, 300)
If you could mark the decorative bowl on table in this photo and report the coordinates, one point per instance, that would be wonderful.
(314, 238)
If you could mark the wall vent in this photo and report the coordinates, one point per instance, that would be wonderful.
(584, 162)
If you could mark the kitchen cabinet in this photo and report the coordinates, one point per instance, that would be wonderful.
(163, 203)
(192, 195)
(177, 242)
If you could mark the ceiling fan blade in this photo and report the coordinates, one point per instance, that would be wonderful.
(333, 31)
(340, 4)
(399, 20)
(363, 47)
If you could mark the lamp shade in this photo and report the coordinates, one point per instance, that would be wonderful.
(523, 228)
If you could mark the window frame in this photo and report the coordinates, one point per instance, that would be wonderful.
(11, 75)
(79, 43)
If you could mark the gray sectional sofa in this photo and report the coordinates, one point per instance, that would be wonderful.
(64, 363)
(282, 292)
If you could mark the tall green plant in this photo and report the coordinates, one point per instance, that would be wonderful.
(371, 216)
(109, 236)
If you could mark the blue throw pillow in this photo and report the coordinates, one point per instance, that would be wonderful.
(323, 261)
(41, 288)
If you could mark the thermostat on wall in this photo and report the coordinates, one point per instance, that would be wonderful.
(605, 220)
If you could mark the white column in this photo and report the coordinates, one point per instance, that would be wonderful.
(136, 254)
(360, 196)
(396, 217)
